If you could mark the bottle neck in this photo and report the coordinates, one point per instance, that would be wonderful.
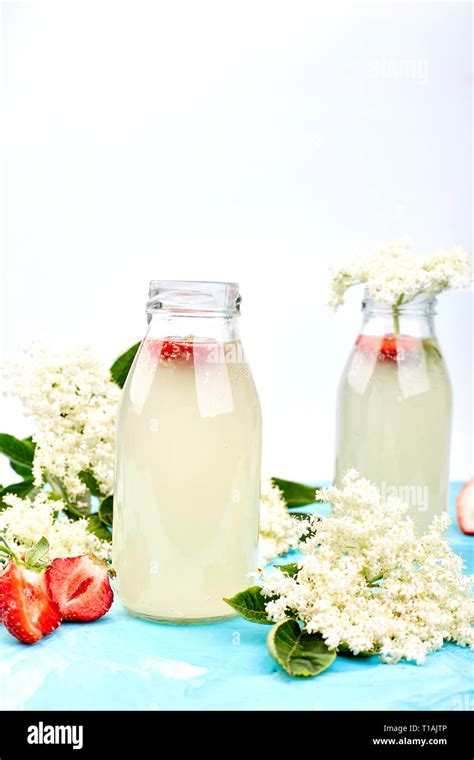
(415, 318)
(195, 310)
(165, 324)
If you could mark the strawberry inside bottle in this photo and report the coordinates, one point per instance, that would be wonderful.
(394, 408)
(172, 351)
(390, 346)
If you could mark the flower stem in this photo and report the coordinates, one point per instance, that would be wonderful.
(396, 315)
(375, 580)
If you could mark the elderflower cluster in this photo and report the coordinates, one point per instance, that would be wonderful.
(26, 520)
(279, 532)
(394, 274)
(368, 582)
(73, 402)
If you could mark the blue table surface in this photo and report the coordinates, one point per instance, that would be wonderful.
(120, 663)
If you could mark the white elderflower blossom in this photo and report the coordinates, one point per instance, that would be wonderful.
(368, 582)
(25, 521)
(279, 532)
(73, 402)
(394, 274)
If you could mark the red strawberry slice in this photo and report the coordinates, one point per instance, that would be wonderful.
(80, 587)
(388, 346)
(465, 508)
(179, 351)
(27, 609)
(176, 351)
(169, 351)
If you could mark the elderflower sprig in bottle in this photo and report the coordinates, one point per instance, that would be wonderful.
(394, 401)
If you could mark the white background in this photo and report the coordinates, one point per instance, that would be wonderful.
(249, 141)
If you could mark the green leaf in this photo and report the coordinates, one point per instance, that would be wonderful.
(5, 549)
(106, 510)
(250, 604)
(72, 511)
(21, 469)
(121, 366)
(97, 527)
(86, 477)
(37, 552)
(291, 569)
(298, 652)
(344, 650)
(301, 517)
(19, 489)
(19, 452)
(296, 494)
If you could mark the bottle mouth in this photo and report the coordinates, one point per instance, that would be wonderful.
(196, 297)
(422, 304)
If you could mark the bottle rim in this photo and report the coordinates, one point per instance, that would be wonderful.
(205, 298)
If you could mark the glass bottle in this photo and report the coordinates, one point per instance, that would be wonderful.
(394, 408)
(187, 490)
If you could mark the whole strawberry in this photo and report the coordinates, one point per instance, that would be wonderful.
(80, 587)
(465, 508)
(27, 609)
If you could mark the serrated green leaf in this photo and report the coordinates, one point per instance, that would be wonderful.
(19, 452)
(121, 366)
(86, 477)
(250, 604)
(299, 653)
(296, 494)
(106, 510)
(291, 569)
(37, 552)
(97, 527)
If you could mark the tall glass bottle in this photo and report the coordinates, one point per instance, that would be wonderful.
(394, 407)
(187, 489)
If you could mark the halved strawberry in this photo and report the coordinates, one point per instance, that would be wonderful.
(80, 587)
(186, 351)
(388, 346)
(169, 351)
(176, 351)
(27, 608)
(465, 508)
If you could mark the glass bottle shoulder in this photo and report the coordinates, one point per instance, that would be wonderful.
(412, 365)
(177, 370)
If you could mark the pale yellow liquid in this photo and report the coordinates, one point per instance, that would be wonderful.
(394, 425)
(187, 485)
